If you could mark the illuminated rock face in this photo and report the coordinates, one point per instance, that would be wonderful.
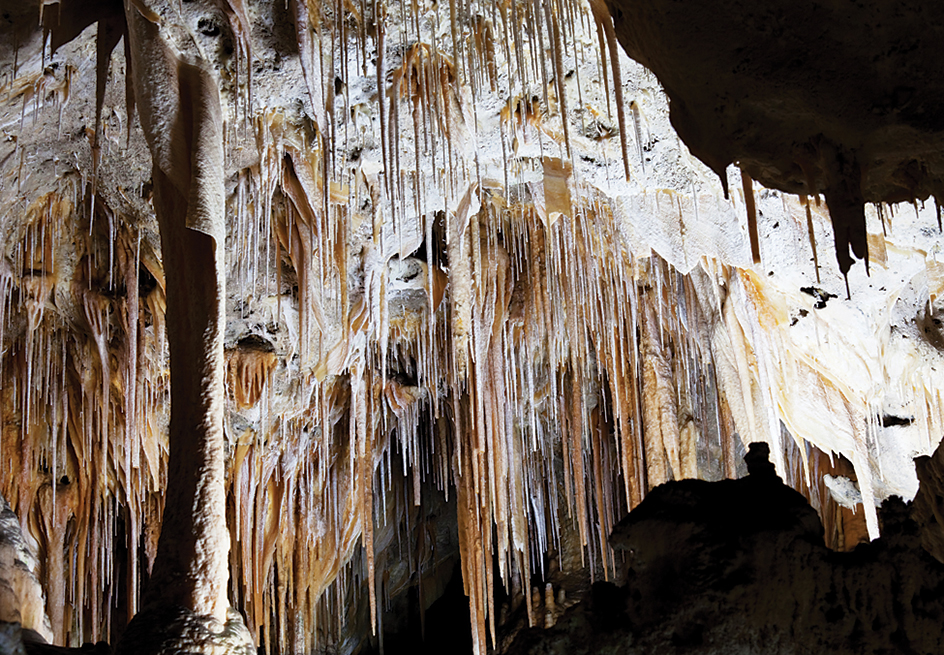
(22, 598)
(457, 338)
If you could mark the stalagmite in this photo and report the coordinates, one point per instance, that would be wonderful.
(180, 112)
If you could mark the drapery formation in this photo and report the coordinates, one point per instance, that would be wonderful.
(440, 286)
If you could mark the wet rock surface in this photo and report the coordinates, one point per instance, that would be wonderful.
(738, 566)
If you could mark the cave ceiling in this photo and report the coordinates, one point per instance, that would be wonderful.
(835, 98)
(488, 280)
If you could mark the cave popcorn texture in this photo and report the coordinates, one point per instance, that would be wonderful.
(436, 261)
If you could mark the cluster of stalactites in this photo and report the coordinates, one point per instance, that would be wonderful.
(558, 359)
(547, 396)
(542, 356)
(83, 389)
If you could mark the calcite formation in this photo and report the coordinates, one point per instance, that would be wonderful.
(835, 98)
(22, 598)
(305, 306)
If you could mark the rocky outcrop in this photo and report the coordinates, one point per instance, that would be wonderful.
(739, 566)
(928, 506)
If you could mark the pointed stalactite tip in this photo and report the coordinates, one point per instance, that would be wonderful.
(847, 214)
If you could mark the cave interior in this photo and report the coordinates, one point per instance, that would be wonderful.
(538, 326)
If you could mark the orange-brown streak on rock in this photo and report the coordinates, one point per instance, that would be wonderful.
(470, 489)
(56, 511)
(129, 261)
(576, 436)
(604, 520)
(748, 185)
(247, 371)
(297, 235)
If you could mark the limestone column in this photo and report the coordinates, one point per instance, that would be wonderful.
(185, 605)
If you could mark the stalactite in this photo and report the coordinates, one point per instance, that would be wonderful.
(536, 369)
(660, 408)
(247, 371)
(56, 512)
(749, 203)
(510, 313)
(602, 15)
(300, 233)
(812, 236)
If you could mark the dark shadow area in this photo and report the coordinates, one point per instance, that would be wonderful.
(739, 566)
(445, 624)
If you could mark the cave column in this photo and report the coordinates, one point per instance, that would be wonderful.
(179, 104)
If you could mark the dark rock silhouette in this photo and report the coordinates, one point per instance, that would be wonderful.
(739, 566)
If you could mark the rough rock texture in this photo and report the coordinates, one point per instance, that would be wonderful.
(178, 631)
(928, 507)
(843, 98)
(11, 639)
(22, 599)
(739, 566)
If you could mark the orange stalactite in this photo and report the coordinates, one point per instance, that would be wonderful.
(539, 373)
(247, 371)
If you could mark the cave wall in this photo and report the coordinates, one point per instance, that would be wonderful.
(439, 281)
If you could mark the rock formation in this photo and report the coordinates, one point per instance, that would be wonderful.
(479, 300)
(841, 99)
(740, 566)
(186, 607)
(22, 599)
